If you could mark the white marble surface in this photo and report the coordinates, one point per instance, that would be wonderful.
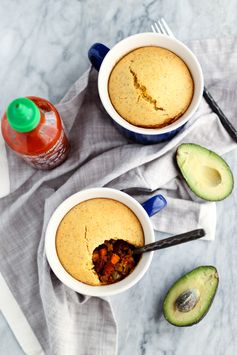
(43, 50)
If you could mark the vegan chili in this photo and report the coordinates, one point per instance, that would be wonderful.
(114, 260)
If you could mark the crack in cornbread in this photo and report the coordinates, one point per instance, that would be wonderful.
(85, 236)
(143, 92)
(150, 87)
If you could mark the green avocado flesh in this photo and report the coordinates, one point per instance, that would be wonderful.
(191, 296)
(206, 173)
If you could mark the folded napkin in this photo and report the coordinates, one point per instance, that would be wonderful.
(63, 321)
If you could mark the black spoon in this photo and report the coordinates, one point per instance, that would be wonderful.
(171, 241)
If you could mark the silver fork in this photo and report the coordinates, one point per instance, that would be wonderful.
(161, 27)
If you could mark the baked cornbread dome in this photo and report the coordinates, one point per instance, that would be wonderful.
(150, 87)
(86, 226)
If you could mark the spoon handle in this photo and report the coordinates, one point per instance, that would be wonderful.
(171, 241)
(216, 108)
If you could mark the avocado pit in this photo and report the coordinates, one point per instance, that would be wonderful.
(187, 300)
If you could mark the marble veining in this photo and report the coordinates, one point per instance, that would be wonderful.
(43, 51)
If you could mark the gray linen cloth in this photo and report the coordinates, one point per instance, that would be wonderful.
(65, 322)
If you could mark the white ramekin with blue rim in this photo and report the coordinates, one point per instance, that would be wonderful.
(142, 211)
(104, 59)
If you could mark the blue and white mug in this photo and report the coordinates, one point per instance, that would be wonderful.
(142, 211)
(104, 59)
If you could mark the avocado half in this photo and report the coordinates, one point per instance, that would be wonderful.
(191, 296)
(206, 173)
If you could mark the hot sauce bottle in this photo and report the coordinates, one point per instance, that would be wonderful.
(33, 129)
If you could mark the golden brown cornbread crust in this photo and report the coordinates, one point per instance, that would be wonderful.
(150, 87)
(86, 226)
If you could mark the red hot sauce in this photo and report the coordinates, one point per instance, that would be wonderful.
(33, 129)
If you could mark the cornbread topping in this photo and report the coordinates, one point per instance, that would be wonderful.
(88, 225)
(150, 87)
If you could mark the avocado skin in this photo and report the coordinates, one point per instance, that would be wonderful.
(197, 146)
(191, 323)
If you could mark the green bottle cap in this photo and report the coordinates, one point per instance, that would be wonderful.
(23, 114)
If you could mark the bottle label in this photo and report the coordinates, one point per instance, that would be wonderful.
(53, 157)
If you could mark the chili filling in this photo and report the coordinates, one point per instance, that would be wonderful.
(114, 260)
